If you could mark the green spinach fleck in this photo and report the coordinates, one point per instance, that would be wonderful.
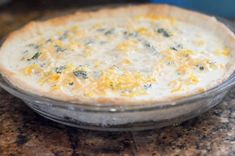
(80, 74)
(35, 56)
(163, 32)
(173, 48)
(35, 46)
(89, 42)
(60, 69)
(129, 34)
(71, 83)
(147, 86)
(49, 40)
(106, 31)
(200, 67)
(177, 47)
(109, 32)
(59, 49)
(149, 46)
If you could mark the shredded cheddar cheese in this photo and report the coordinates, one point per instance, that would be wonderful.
(155, 18)
(193, 79)
(126, 45)
(31, 69)
(144, 31)
(224, 52)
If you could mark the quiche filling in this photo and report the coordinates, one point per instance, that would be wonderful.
(140, 57)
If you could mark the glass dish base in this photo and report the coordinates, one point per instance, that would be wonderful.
(108, 124)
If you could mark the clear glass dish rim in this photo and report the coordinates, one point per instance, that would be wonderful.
(20, 93)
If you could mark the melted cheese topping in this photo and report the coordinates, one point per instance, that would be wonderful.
(140, 57)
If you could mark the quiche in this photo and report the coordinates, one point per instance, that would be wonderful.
(125, 55)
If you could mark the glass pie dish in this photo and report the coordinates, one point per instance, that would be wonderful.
(111, 117)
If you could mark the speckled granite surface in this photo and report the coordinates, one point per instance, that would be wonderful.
(23, 132)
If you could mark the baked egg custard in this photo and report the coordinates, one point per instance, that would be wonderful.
(126, 55)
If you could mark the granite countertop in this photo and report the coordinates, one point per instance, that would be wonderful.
(23, 132)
